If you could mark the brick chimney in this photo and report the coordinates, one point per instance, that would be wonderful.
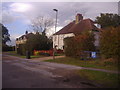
(79, 17)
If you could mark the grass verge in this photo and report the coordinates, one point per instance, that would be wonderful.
(102, 78)
(13, 53)
(89, 63)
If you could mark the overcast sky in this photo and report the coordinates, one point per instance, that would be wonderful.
(16, 16)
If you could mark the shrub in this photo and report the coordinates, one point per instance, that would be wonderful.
(75, 46)
(110, 43)
(36, 53)
(7, 48)
(38, 42)
(34, 42)
(109, 61)
(43, 52)
(59, 51)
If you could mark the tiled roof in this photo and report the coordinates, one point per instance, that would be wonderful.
(65, 29)
(26, 36)
(86, 24)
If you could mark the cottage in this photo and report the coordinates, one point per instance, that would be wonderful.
(73, 28)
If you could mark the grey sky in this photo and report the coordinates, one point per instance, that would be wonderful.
(67, 10)
(14, 12)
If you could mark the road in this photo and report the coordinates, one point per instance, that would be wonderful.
(24, 73)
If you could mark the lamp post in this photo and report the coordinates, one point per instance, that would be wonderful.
(55, 31)
(56, 18)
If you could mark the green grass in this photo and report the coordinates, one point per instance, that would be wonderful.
(56, 54)
(89, 63)
(13, 53)
(103, 78)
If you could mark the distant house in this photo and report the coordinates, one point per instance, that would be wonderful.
(22, 39)
(73, 28)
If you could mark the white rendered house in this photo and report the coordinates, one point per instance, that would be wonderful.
(75, 27)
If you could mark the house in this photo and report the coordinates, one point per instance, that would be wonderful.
(73, 28)
(22, 40)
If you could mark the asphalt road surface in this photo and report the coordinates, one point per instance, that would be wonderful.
(24, 73)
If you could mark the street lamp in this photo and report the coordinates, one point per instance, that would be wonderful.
(55, 31)
(56, 18)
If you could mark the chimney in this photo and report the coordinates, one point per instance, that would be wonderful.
(26, 32)
(79, 17)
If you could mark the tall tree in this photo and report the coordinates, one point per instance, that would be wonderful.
(41, 24)
(108, 19)
(5, 34)
(38, 42)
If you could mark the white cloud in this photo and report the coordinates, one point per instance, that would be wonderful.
(52, 30)
(66, 11)
(61, 1)
(7, 17)
(67, 21)
(20, 7)
(15, 11)
(13, 38)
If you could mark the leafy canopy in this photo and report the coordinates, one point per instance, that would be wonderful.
(108, 19)
(110, 42)
(5, 34)
(74, 46)
(38, 42)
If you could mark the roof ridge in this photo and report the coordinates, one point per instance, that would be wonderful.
(84, 24)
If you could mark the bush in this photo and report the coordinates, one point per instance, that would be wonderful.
(37, 53)
(110, 43)
(75, 46)
(38, 42)
(109, 61)
(35, 42)
(22, 49)
(8, 48)
(59, 51)
(43, 52)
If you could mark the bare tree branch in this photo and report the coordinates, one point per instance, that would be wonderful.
(41, 24)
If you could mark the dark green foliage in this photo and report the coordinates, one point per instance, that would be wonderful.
(106, 20)
(69, 44)
(75, 46)
(110, 43)
(38, 42)
(5, 38)
(23, 49)
(35, 42)
(7, 48)
(5, 34)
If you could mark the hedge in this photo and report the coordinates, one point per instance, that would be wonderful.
(75, 46)
(110, 43)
